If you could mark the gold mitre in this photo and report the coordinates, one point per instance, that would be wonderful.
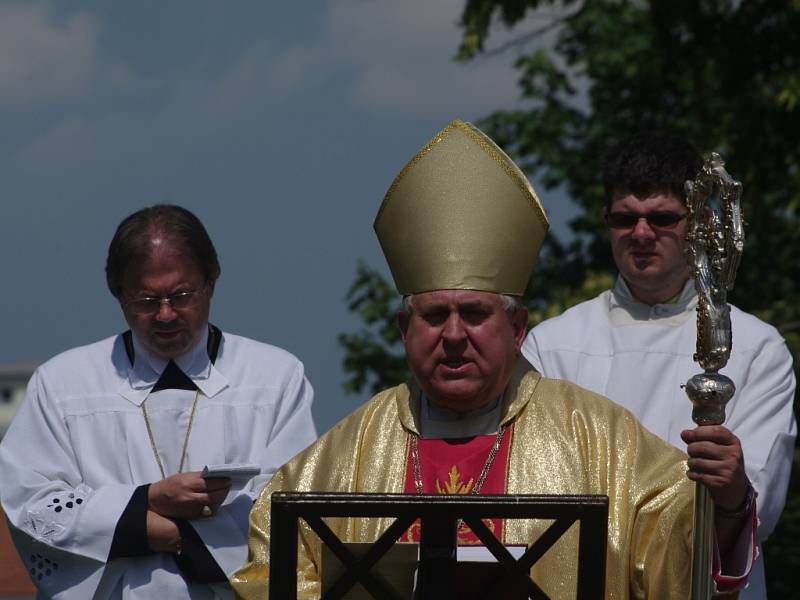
(461, 215)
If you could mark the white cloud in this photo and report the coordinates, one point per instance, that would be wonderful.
(43, 60)
(404, 53)
(395, 30)
(178, 113)
(382, 56)
(403, 56)
(386, 56)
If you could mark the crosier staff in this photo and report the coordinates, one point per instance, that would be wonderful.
(714, 242)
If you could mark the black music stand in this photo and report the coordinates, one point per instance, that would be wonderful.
(439, 516)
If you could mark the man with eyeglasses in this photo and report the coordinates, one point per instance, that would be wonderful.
(635, 342)
(101, 468)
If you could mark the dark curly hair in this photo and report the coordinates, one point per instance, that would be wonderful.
(175, 223)
(649, 163)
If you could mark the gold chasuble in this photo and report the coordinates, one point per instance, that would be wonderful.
(560, 438)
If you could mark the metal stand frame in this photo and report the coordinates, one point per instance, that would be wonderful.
(439, 516)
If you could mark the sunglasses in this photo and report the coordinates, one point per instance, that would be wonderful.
(655, 220)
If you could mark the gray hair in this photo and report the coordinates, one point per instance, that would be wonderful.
(510, 303)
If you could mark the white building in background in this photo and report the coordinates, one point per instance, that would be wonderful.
(13, 381)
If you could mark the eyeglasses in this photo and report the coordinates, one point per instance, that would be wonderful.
(656, 220)
(150, 305)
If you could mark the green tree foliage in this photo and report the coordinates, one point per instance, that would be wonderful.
(723, 73)
(374, 358)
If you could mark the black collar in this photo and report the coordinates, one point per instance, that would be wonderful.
(212, 346)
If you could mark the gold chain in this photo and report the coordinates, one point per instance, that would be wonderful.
(185, 439)
(476, 489)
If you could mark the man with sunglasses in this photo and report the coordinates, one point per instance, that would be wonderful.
(102, 466)
(460, 227)
(635, 342)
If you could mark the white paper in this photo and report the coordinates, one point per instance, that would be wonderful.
(233, 471)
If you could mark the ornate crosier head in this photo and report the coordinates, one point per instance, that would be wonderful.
(714, 242)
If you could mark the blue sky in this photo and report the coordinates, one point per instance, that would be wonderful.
(280, 124)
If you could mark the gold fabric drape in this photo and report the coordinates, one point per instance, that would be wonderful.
(566, 441)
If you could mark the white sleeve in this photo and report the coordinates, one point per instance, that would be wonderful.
(225, 535)
(293, 429)
(62, 527)
(764, 422)
(530, 350)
